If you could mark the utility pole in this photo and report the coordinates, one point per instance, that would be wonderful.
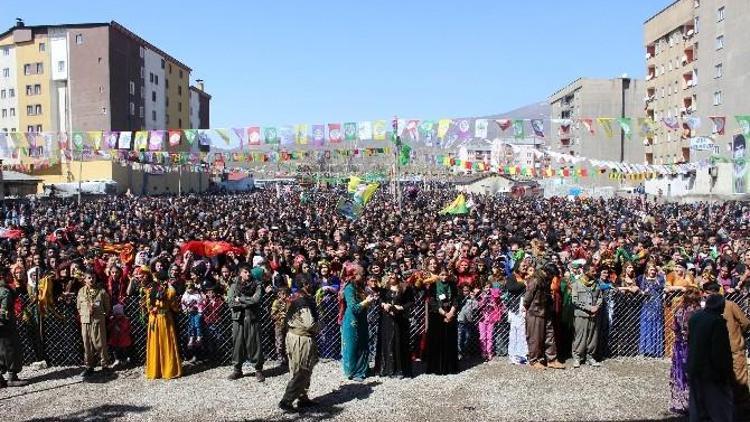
(625, 86)
(397, 165)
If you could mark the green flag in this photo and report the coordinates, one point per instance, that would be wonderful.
(190, 135)
(404, 155)
(744, 122)
(624, 123)
(457, 207)
(518, 130)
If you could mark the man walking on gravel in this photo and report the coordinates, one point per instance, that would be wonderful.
(301, 347)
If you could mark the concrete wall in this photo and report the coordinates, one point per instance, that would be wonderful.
(698, 185)
(126, 53)
(9, 123)
(489, 185)
(28, 52)
(156, 111)
(89, 79)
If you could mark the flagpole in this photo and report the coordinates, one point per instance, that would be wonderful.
(397, 157)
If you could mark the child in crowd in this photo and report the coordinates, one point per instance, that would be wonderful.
(467, 317)
(279, 308)
(193, 304)
(491, 307)
(120, 341)
(212, 312)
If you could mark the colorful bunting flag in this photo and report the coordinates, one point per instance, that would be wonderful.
(174, 138)
(286, 135)
(538, 126)
(426, 131)
(624, 123)
(606, 124)
(412, 130)
(253, 136)
(95, 139)
(744, 122)
(110, 139)
(693, 123)
(480, 128)
(518, 129)
(318, 135)
(270, 135)
(334, 133)
(350, 131)
(378, 130)
(124, 141)
(671, 122)
(190, 135)
(645, 126)
(443, 126)
(141, 140)
(300, 134)
(588, 123)
(504, 124)
(464, 130)
(224, 135)
(364, 131)
(156, 140)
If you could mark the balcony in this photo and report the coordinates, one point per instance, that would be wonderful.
(650, 51)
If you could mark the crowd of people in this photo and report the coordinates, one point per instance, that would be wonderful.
(549, 267)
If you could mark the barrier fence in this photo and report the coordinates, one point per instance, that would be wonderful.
(630, 324)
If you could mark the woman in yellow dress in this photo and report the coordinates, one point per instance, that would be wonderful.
(162, 354)
(678, 280)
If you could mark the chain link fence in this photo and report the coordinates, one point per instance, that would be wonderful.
(630, 324)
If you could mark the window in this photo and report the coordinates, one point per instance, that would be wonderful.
(156, 79)
(140, 112)
(101, 89)
(6, 51)
(39, 68)
(717, 98)
(720, 14)
(179, 123)
(6, 72)
(132, 109)
(143, 93)
(38, 109)
(718, 71)
(151, 77)
(3, 93)
(179, 106)
(27, 69)
(29, 110)
(12, 92)
(162, 63)
(61, 66)
(12, 112)
(29, 129)
(142, 72)
(696, 24)
(166, 83)
(719, 42)
(153, 96)
(166, 119)
(153, 115)
(5, 112)
(170, 68)
(42, 47)
(179, 90)
(104, 111)
(29, 90)
(131, 88)
(79, 39)
(141, 52)
(166, 101)
(39, 128)
(670, 65)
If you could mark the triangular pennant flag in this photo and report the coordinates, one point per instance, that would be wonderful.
(504, 124)
(671, 122)
(253, 136)
(125, 139)
(624, 123)
(110, 139)
(223, 134)
(190, 135)
(538, 126)
(270, 135)
(606, 124)
(443, 126)
(744, 122)
(646, 126)
(588, 123)
(156, 140)
(95, 139)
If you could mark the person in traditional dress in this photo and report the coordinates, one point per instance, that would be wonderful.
(587, 299)
(301, 347)
(11, 358)
(442, 329)
(651, 339)
(93, 304)
(355, 334)
(678, 381)
(393, 358)
(540, 336)
(244, 299)
(327, 300)
(162, 353)
(518, 348)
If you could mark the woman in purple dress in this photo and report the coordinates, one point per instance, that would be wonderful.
(678, 381)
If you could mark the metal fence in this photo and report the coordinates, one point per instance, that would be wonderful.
(629, 325)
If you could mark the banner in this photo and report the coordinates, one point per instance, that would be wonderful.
(412, 130)
(286, 135)
(124, 141)
(270, 135)
(364, 131)
(190, 135)
(334, 133)
(739, 148)
(141, 140)
(318, 135)
(379, 130)
(720, 124)
(537, 125)
(518, 129)
(443, 126)
(645, 127)
(156, 140)
(300, 134)
(174, 138)
(606, 124)
(241, 134)
(480, 128)
(110, 139)
(701, 143)
(426, 132)
(350, 131)
(253, 135)
(464, 130)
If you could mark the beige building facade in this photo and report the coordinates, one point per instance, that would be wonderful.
(590, 99)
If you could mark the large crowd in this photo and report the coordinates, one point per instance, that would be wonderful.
(547, 266)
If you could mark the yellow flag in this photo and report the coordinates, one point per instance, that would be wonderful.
(354, 181)
(443, 126)
(606, 123)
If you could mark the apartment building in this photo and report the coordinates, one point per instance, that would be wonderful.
(587, 98)
(698, 62)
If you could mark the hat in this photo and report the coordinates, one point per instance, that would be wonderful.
(258, 261)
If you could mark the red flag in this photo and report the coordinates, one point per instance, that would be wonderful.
(210, 249)
(334, 132)
(504, 124)
(253, 135)
(589, 123)
(10, 233)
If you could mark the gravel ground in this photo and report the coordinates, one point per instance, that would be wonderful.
(621, 390)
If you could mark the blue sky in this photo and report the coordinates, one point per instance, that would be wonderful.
(285, 62)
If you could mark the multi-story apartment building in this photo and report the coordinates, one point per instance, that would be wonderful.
(698, 62)
(590, 99)
(200, 103)
(88, 77)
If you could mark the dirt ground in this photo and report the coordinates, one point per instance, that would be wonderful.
(621, 390)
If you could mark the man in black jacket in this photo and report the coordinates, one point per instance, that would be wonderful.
(244, 299)
(710, 364)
